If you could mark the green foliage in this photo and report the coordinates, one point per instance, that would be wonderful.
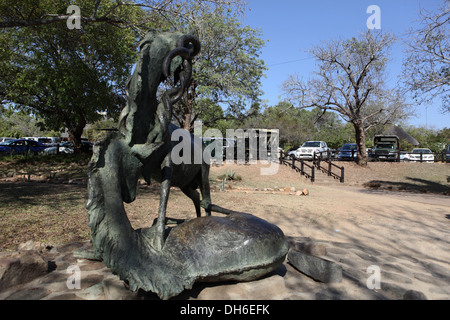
(228, 71)
(67, 75)
(230, 176)
(98, 130)
(435, 140)
(16, 124)
(298, 125)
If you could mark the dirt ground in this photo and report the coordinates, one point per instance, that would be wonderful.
(405, 232)
(396, 214)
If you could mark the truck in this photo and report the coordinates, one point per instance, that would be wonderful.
(385, 147)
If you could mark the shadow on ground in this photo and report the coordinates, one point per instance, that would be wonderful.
(415, 185)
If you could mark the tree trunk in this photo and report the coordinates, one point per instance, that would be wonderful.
(75, 133)
(187, 121)
(187, 111)
(360, 136)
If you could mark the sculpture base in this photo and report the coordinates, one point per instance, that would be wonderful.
(239, 247)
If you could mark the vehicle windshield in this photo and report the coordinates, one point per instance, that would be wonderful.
(349, 147)
(7, 143)
(311, 144)
(389, 146)
(421, 151)
(45, 140)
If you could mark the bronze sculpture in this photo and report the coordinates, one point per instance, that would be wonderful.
(165, 259)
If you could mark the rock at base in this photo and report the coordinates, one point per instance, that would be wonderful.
(317, 268)
(21, 267)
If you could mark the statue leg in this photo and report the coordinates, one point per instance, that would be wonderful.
(166, 168)
(205, 190)
(195, 197)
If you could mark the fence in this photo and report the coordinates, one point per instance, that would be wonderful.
(399, 156)
(437, 157)
(318, 159)
(309, 170)
(291, 162)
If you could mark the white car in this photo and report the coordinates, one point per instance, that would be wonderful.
(309, 148)
(427, 155)
(65, 147)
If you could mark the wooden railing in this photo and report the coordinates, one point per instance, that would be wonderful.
(318, 160)
(305, 169)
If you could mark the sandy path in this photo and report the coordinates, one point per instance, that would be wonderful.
(406, 234)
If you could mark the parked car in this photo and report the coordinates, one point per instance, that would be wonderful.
(309, 148)
(4, 139)
(21, 146)
(427, 155)
(348, 152)
(404, 156)
(447, 154)
(49, 141)
(67, 147)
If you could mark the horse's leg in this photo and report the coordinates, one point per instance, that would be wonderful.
(166, 168)
(195, 197)
(205, 190)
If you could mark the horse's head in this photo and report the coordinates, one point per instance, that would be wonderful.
(162, 54)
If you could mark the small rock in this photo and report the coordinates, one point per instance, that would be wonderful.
(317, 268)
(26, 246)
(29, 294)
(311, 248)
(114, 289)
(21, 267)
(305, 192)
(272, 287)
(414, 295)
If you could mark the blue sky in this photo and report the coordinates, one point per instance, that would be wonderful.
(294, 26)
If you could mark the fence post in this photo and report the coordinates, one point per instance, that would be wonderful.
(421, 157)
(312, 174)
(342, 175)
(293, 162)
(329, 167)
(302, 167)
